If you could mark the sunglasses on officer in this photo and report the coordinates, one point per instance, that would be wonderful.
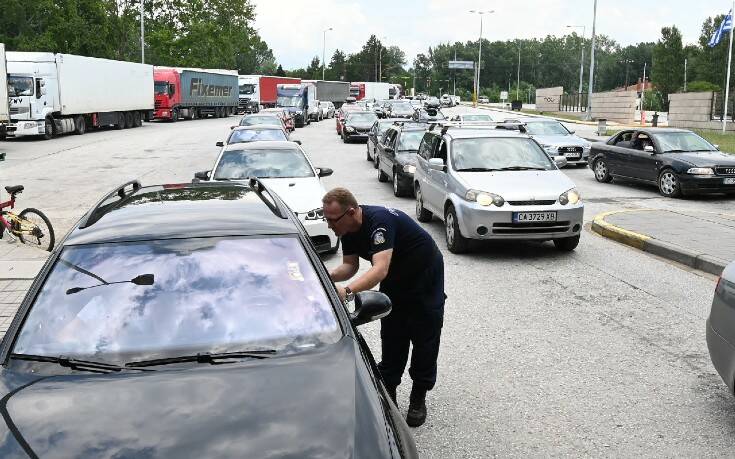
(335, 220)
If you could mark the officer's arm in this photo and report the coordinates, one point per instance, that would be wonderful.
(381, 263)
(348, 268)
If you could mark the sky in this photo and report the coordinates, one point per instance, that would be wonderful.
(294, 29)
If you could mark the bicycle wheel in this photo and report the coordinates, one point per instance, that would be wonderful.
(35, 229)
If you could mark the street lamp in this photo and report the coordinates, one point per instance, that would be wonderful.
(592, 64)
(627, 63)
(380, 60)
(581, 54)
(142, 34)
(324, 48)
(479, 53)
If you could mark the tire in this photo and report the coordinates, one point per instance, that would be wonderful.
(120, 122)
(194, 113)
(80, 125)
(49, 123)
(174, 115)
(369, 158)
(602, 172)
(456, 243)
(567, 244)
(422, 214)
(47, 240)
(138, 119)
(668, 184)
(129, 120)
(398, 190)
(382, 177)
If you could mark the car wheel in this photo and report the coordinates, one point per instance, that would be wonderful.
(456, 243)
(422, 214)
(382, 177)
(602, 173)
(369, 158)
(567, 244)
(668, 184)
(398, 190)
(375, 159)
(344, 138)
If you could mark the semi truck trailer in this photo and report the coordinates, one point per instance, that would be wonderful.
(260, 91)
(51, 94)
(331, 91)
(194, 93)
(370, 90)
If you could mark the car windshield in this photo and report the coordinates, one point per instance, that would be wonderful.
(361, 117)
(160, 87)
(20, 86)
(286, 101)
(410, 140)
(402, 106)
(546, 128)
(476, 118)
(249, 135)
(260, 119)
(275, 163)
(382, 127)
(203, 295)
(247, 89)
(498, 153)
(682, 141)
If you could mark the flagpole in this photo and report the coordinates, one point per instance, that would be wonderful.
(729, 62)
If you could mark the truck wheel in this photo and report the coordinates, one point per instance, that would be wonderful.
(120, 124)
(137, 119)
(80, 125)
(129, 121)
(194, 113)
(174, 115)
(49, 124)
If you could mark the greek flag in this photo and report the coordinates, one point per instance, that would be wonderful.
(725, 27)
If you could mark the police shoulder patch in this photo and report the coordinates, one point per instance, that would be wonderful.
(379, 236)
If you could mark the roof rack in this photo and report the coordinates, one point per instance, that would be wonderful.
(445, 125)
(271, 201)
(91, 217)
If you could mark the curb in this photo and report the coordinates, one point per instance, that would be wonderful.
(702, 261)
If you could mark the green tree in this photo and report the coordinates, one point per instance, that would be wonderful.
(667, 71)
(337, 66)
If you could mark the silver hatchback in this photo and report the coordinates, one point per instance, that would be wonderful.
(486, 183)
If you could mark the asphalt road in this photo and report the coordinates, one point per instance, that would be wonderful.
(599, 352)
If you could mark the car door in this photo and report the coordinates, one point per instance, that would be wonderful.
(372, 139)
(386, 159)
(421, 176)
(616, 151)
(638, 163)
(437, 180)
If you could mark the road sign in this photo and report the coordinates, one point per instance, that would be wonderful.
(466, 65)
(503, 95)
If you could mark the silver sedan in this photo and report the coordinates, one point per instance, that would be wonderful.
(721, 327)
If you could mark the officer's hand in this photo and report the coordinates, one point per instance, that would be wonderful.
(342, 293)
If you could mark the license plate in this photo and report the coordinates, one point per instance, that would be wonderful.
(572, 155)
(730, 181)
(527, 217)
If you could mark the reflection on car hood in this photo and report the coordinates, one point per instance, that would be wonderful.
(300, 194)
(519, 185)
(704, 158)
(360, 125)
(561, 140)
(406, 157)
(316, 405)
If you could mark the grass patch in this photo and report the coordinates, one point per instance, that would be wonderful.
(725, 141)
(555, 115)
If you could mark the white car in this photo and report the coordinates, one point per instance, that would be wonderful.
(286, 169)
(483, 100)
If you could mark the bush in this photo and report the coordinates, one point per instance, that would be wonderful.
(702, 86)
(653, 101)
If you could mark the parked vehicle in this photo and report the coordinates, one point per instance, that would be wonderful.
(327, 109)
(342, 112)
(335, 92)
(473, 118)
(255, 132)
(396, 158)
(357, 125)
(432, 102)
(426, 115)
(446, 100)
(52, 94)
(557, 140)
(284, 115)
(167, 306)
(488, 183)
(195, 93)
(483, 100)
(399, 109)
(395, 91)
(262, 118)
(4, 101)
(259, 91)
(376, 134)
(297, 98)
(678, 161)
(721, 327)
(370, 90)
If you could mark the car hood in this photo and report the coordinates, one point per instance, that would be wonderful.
(561, 140)
(360, 125)
(301, 194)
(519, 185)
(704, 158)
(407, 157)
(320, 405)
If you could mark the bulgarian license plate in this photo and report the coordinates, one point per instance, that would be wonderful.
(730, 181)
(528, 217)
(572, 155)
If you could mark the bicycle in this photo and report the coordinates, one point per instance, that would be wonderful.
(31, 226)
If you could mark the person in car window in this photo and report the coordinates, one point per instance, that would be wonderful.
(410, 269)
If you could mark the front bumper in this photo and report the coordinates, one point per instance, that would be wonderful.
(321, 236)
(162, 114)
(24, 128)
(356, 135)
(490, 222)
(693, 184)
(722, 354)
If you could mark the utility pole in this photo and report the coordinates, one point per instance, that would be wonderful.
(685, 75)
(479, 54)
(142, 34)
(454, 72)
(324, 49)
(380, 62)
(581, 57)
(592, 63)
(518, 81)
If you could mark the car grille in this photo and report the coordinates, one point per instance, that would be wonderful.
(546, 202)
(725, 170)
(18, 110)
(530, 228)
(570, 149)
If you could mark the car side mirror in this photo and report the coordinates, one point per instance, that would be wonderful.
(370, 306)
(220, 144)
(388, 149)
(560, 161)
(298, 142)
(324, 171)
(717, 147)
(649, 149)
(203, 175)
(232, 127)
(437, 164)
(572, 132)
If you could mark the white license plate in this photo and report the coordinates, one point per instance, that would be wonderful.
(730, 181)
(526, 217)
(572, 155)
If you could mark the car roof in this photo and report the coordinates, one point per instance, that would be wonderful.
(263, 145)
(473, 133)
(250, 127)
(185, 210)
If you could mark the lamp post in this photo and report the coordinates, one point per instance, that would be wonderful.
(324, 49)
(627, 63)
(380, 60)
(581, 54)
(142, 34)
(479, 53)
(592, 63)
(518, 76)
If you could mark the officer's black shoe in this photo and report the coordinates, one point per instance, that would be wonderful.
(417, 408)
(392, 393)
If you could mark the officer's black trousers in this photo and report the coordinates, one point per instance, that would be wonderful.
(417, 318)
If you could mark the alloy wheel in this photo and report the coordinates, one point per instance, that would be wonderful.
(449, 225)
(600, 170)
(668, 183)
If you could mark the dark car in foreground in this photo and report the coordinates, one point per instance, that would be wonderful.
(721, 327)
(357, 125)
(678, 161)
(192, 320)
(396, 160)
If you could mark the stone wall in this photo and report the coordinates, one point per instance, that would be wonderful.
(548, 99)
(614, 105)
(693, 110)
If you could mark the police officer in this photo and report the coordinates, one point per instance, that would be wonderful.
(410, 270)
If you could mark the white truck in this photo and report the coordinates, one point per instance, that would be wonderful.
(4, 102)
(53, 94)
(370, 90)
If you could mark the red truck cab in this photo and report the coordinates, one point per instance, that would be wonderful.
(166, 84)
(357, 90)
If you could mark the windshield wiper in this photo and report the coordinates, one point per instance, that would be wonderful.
(522, 168)
(211, 358)
(74, 364)
(477, 169)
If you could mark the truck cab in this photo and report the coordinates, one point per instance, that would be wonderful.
(31, 102)
(295, 98)
(166, 86)
(249, 94)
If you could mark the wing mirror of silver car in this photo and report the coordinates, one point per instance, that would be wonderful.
(437, 164)
(323, 171)
(560, 161)
(717, 147)
(649, 149)
(220, 144)
(370, 306)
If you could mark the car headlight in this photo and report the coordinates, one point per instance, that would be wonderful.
(315, 214)
(350, 129)
(570, 197)
(549, 148)
(586, 147)
(409, 168)
(484, 199)
(701, 171)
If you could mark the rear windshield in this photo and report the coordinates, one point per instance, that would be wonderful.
(276, 163)
(249, 135)
(201, 295)
(260, 119)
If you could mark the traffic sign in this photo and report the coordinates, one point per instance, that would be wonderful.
(465, 65)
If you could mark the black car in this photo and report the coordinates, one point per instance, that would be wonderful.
(375, 134)
(400, 109)
(678, 161)
(428, 115)
(356, 125)
(397, 156)
(193, 320)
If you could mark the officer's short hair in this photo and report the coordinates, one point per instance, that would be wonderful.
(342, 196)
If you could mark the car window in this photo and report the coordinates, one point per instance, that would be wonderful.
(205, 295)
(260, 119)
(682, 141)
(623, 137)
(410, 140)
(390, 137)
(361, 117)
(276, 163)
(425, 148)
(475, 118)
(249, 135)
(497, 153)
(546, 128)
(441, 151)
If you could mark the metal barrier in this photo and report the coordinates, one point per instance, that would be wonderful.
(573, 102)
(718, 104)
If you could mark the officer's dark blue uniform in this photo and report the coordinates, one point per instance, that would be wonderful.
(415, 285)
